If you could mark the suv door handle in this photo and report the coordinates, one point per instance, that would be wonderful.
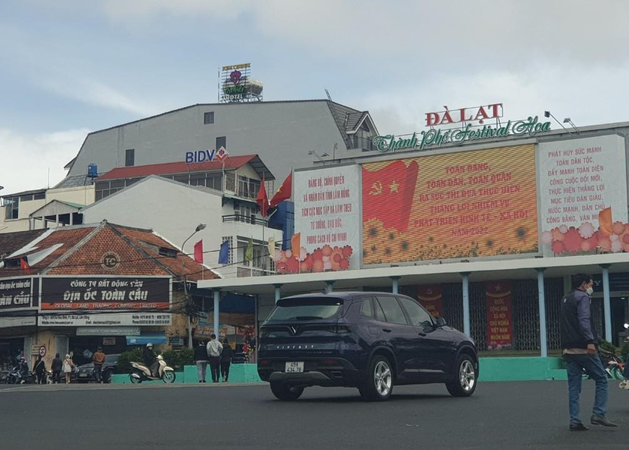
(386, 330)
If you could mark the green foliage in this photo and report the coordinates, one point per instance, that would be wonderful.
(179, 358)
(125, 359)
(608, 346)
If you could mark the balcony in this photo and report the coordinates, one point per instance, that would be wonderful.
(245, 219)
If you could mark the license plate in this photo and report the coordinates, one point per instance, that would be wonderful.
(83, 375)
(294, 367)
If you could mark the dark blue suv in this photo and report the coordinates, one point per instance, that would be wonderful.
(368, 340)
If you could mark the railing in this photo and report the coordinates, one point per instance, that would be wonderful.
(245, 219)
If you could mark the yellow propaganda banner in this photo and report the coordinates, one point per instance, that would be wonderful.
(457, 205)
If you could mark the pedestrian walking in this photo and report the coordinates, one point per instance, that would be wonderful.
(226, 359)
(56, 367)
(40, 370)
(68, 367)
(99, 359)
(578, 340)
(214, 351)
(201, 359)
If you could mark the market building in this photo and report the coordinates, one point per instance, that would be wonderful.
(483, 220)
(79, 287)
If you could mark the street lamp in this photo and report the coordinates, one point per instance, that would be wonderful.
(199, 227)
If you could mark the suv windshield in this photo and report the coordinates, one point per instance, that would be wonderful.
(305, 309)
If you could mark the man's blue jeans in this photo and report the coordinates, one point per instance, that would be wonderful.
(594, 368)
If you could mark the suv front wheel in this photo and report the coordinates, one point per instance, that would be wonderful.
(379, 380)
(464, 383)
(285, 392)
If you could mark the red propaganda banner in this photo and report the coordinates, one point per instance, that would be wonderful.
(499, 315)
(431, 298)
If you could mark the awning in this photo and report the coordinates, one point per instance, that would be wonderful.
(153, 338)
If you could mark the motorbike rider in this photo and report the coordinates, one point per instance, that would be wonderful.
(150, 359)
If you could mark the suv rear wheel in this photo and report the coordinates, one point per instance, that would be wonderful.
(464, 384)
(379, 381)
(285, 392)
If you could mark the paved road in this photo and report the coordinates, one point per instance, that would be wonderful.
(498, 416)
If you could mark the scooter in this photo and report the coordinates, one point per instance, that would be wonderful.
(141, 372)
(20, 374)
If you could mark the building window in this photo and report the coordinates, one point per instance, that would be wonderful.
(231, 248)
(208, 118)
(11, 208)
(221, 141)
(230, 182)
(129, 157)
(40, 196)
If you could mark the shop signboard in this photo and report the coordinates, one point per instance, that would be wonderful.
(327, 218)
(10, 322)
(455, 205)
(105, 293)
(16, 293)
(583, 195)
(108, 331)
(106, 319)
(499, 315)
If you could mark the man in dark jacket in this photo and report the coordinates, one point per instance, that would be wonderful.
(57, 365)
(201, 359)
(150, 359)
(578, 340)
(226, 359)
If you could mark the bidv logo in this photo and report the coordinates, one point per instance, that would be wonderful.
(200, 156)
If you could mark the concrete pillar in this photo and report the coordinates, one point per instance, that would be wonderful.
(607, 305)
(328, 286)
(541, 296)
(467, 329)
(278, 292)
(394, 287)
(71, 219)
(217, 298)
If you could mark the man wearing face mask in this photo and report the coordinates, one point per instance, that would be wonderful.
(578, 340)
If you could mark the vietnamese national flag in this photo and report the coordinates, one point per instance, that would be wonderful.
(284, 192)
(24, 265)
(198, 252)
(388, 194)
(262, 200)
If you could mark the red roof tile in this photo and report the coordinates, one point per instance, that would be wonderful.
(137, 249)
(233, 162)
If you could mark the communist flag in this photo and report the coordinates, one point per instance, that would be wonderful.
(284, 192)
(431, 298)
(388, 194)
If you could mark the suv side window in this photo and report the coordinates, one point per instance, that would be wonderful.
(416, 313)
(392, 310)
(378, 311)
(366, 308)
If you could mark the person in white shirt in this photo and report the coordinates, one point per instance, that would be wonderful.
(214, 350)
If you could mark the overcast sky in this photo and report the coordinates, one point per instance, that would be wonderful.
(68, 67)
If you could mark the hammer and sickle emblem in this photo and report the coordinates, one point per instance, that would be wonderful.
(376, 188)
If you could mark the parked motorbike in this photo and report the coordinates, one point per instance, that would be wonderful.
(614, 366)
(140, 372)
(20, 374)
(625, 383)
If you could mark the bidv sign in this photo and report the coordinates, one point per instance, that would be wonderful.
(466, 131)
(200, 156)
(206, 155)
